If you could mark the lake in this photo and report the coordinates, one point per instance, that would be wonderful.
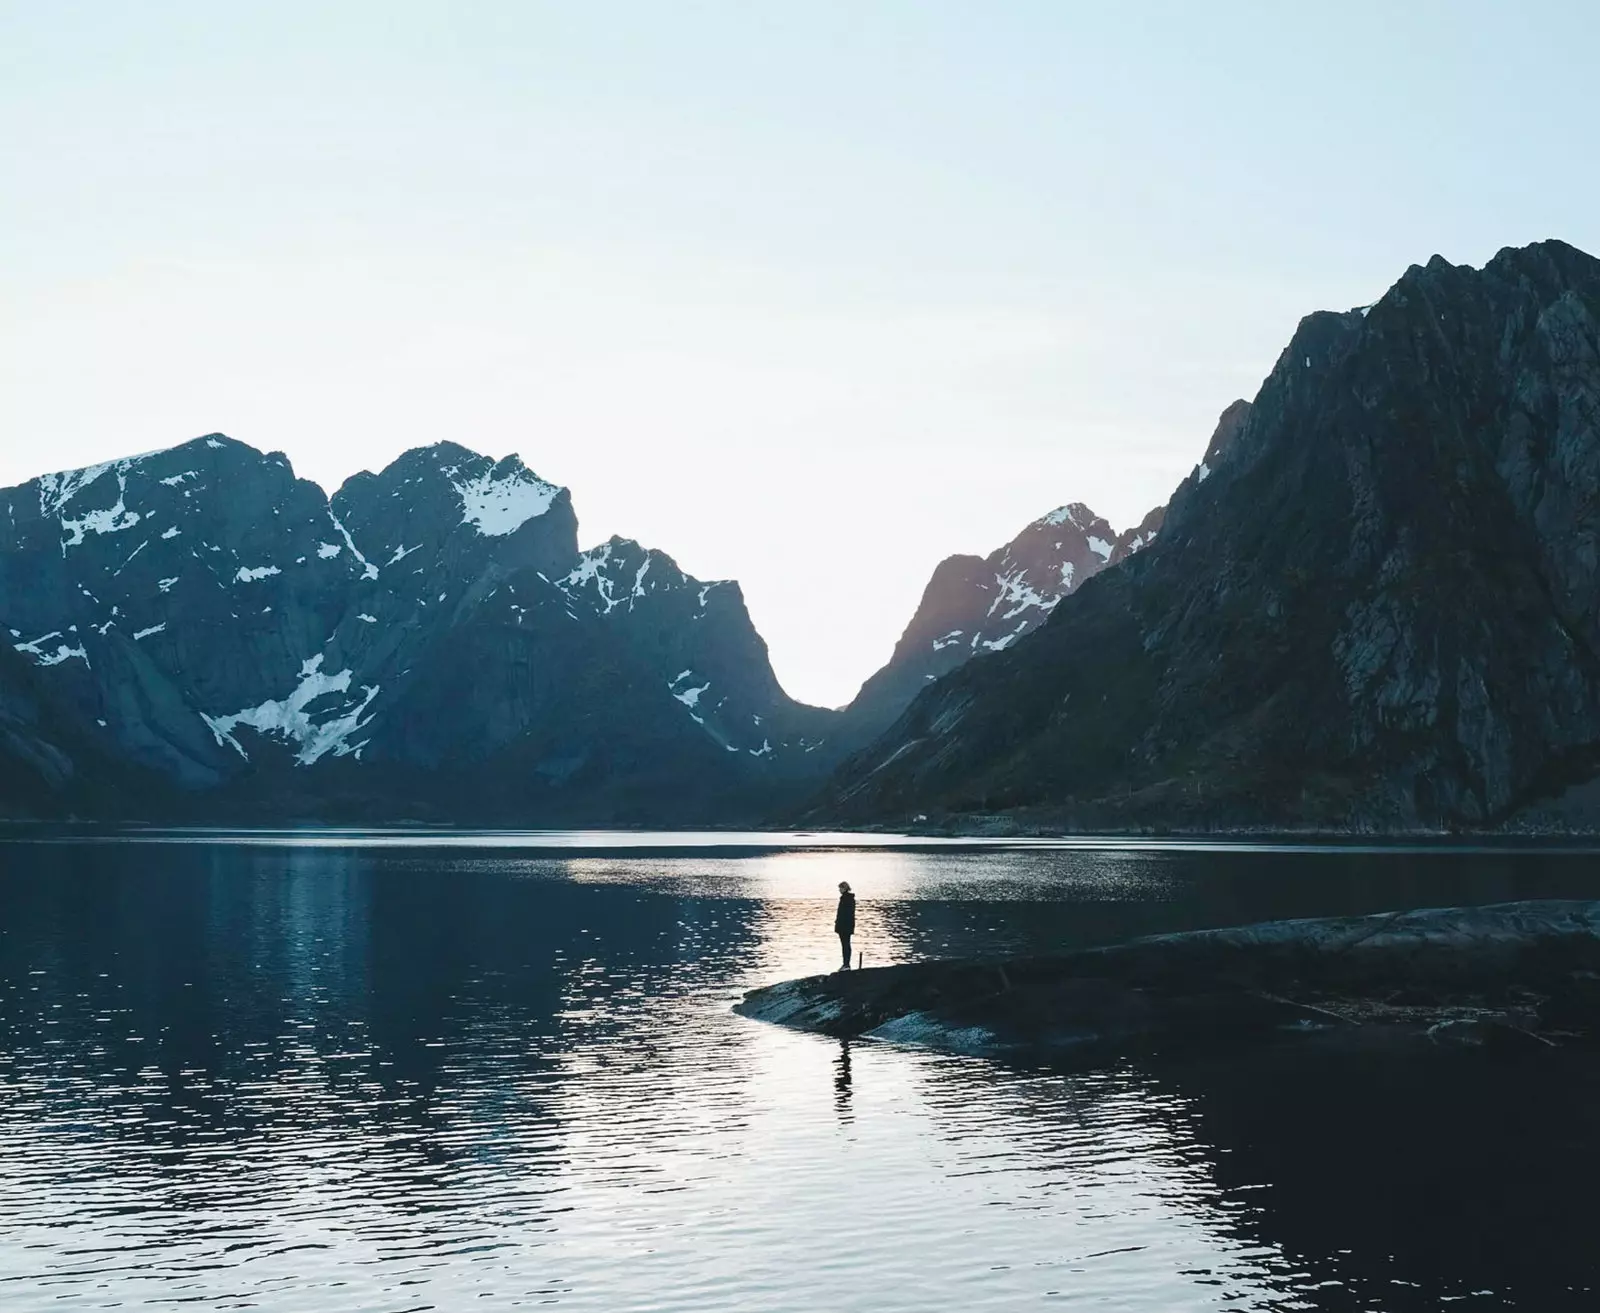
(345, 1070)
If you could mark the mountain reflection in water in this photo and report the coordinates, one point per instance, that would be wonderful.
(398, 1077)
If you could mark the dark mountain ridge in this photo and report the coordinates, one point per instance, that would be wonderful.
(1374, 609)
(197, 631)
(1371, 606)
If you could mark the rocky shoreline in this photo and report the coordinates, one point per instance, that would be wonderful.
(1521, 974)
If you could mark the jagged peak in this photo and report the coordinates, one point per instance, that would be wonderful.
(83, 475)
(618, 551)
(618, 548)
(451, 458)
(1558, 262)
(1229, 425)
(640, 571)
(1550, 251)
(58, 487)
(497, 496)
(1075, 513)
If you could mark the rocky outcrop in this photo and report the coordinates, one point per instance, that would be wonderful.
(1373, 606)
(430, 642)
(1139, 537)
(1514, 974)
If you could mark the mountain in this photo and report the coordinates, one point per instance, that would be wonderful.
(429, 643)
(976, 605)
(49, 769)
(1374, 607)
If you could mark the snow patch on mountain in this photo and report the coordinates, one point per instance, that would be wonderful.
(500, 504)
(591, 570)
(690, 697)
(35, 648)
(1004, 641)
(1016, 594)
(368, 570)
(126, 560)
(291, 718)
(112, 519)
(56, 490)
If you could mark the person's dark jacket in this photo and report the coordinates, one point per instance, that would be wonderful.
(844, 920)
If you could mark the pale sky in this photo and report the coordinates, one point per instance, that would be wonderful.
(808, 294)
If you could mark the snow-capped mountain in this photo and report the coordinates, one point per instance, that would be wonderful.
(429, 641)
(977, 605)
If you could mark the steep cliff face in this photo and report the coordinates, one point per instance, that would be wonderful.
(47, 768)
(974, 605)
(698, 640)
(1374, 604)
(429, 643)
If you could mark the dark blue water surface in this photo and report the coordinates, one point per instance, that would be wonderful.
(391, 1072)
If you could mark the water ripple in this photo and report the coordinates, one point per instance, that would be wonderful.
(233, 1075)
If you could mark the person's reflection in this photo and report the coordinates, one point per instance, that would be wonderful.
(841, 1081)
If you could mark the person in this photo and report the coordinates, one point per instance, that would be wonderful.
(844, 922)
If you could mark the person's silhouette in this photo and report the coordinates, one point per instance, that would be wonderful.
(844, 923)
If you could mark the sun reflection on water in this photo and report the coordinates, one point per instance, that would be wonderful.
(367, 1078)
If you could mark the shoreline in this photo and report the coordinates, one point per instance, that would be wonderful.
(1523, 974)
(729, 838)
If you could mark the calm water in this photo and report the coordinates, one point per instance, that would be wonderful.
(400, 1075)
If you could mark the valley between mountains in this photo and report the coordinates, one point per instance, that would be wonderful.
(1372, 606)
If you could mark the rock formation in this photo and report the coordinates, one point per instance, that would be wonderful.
(1516, 974)
(1374, 606)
